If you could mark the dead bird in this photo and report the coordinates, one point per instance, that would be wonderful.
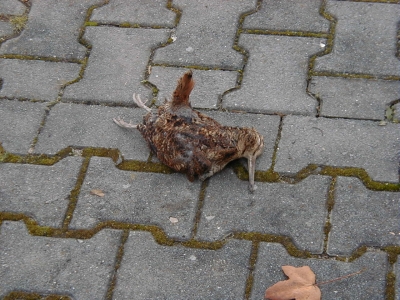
(191, 142)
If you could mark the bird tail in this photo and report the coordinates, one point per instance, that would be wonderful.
(183, 89)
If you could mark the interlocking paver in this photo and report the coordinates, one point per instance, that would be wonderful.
(19, 124)
(40, 192)
(362, 217)
(79, 125)
(339, 143)
(294, 210)
(283, 63)
(370, 284)
(80, 268)
(130, 197)
(6, 29)
(152, 271)
(116, 65)
(11, 7)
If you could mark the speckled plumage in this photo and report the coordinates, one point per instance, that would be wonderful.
(191, 142)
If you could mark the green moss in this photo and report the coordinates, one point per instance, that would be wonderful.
(34, 296)
(390, 286)
(252, 265)
(127, 25)
(91, 23)
(18, 22)
(140, 166)
(358, 253)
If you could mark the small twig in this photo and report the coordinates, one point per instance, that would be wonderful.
(340, 278)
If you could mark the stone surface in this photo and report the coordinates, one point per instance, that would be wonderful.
(11, 7)
(370, 284)
(40, 192)
(34, 79)
(362, 217)
(6, 29)
(203, 24)
(143, 12)
(52, 30)
(117, 64)
(339, 143)
(354, 98)
(209, 85)
(139, 202)
(80, 268)
(283, 63)
(19, 124)
(297, 211)
(288, 15)
(152, 271)
(365, 41)
(92, 126)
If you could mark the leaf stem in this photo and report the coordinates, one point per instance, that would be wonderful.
(340, 278)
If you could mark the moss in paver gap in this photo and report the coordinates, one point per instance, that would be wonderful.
(329, 206)
(252, 265)
(393, 253)
(34, 296)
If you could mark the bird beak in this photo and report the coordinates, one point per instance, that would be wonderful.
(251, 166)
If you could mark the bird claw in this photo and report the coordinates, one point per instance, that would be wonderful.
(139, 102)
(123, 124)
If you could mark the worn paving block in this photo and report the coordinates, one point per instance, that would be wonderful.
(6, 29)
(137, 198)
(92, 126)
(209, 85)
(19, 124)
(370, 284)
(275, 79)
(35, 79)
(289, 15)
(205, 23)
(143, 12)
(365, 39)
(52, 30)
(116, 65)
(354, 98)
(152, 271)
(11, 7)
(39, 192)
(362, 217)
(339, 143)
(297, 211)
(45, 265)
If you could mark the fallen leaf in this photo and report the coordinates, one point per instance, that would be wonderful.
(97, 192)
(299, 286)
(173, 220)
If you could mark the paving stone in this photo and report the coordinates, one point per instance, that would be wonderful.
(365, 39)
(52, 30)
(39, 192)
(209, 85)
(283, 63)
(145, 13)
(6, 29)
(362, 217)
(137, 198)
(34, 79)
(205, 23)
(92, 126)
(339, 143)
(354, 98)
(80, 268)
(19, 124)
(370, 284)
(297, 211)
(152, 271)
(11, 7)
(117, 64)
(289, 15)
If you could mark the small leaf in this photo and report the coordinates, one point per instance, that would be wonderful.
(97, 192)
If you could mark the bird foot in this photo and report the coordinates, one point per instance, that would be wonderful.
(139, 102)
(123, 124)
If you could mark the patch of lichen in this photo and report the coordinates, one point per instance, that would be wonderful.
(17, 295)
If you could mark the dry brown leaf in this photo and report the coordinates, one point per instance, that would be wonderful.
(299, 286)
(97, 192)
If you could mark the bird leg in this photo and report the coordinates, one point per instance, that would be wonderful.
(123, 124)
(139, 102)
(251, 166)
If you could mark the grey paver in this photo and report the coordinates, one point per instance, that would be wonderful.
(145, 13)
(370, 284)
(288, 15)
(11, 7)
(6, 29)
(52, 30)
(297, 211)
(116, 65)
(339, 143)
(131, 197)
(354, 98)
(80, 268)
(362, 217)
(152, 271)
(365, 41)
(35, 79)
(203, 24)
(91, 126)
(283, 63)
(19, 124)
(209, 85)
(39, 192)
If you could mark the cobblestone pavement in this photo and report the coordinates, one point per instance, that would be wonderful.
(319, 79)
